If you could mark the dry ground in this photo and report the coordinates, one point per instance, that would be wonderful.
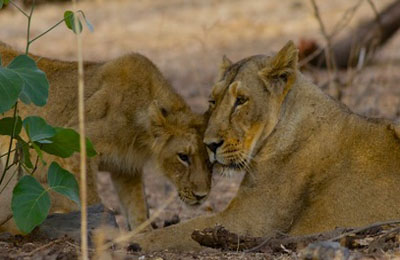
(187, 39)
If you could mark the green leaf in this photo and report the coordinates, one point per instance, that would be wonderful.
(88, 23)
(65, 143)
(10, 88)
(39, 152)
(69, 19)
(35, 85)
(62, 181)
(30, 203)
(37, 129)
(7, 124)
(3, 2)
(90, 151)
(25, 150)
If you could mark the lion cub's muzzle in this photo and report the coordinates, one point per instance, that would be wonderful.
(193, 198)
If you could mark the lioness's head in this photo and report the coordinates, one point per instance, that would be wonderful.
(245, 104)
(180, 152)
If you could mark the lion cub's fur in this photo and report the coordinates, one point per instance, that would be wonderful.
(132, 115)
(311, 164)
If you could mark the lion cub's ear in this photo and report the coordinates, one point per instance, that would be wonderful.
(225, 64)
(158, 124)
(280, 72)
(157, 114)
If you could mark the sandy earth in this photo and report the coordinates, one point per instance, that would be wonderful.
(186, 39)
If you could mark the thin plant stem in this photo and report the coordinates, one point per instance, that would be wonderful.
(12, 176)
(16, 148)
(13, 150)
(16, 103)
(19, 8)
(36, 165)
(48, 30)
(51, 28)
(11, 142)
(7, 219)
(28, 33)
(11, 165)
(82, 139)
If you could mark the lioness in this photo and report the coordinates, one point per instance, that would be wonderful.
(311, 164)
(133, 115)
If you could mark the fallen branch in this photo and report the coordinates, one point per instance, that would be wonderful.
(220, 238)
(352, 238)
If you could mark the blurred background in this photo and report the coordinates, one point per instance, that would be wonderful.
(186, 40)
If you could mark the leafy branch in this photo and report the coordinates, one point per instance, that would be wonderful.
(22, 80)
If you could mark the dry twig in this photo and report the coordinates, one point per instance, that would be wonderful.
(7, 219)
(40, 248)
(337, 28)
(328, 50)
(126, 237)
(81, 109)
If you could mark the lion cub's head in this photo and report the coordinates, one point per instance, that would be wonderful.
(245, 104)
(179, 150)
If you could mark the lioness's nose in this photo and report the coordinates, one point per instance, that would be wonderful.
(213, 146)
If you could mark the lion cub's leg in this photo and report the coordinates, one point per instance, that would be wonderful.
(131, 194)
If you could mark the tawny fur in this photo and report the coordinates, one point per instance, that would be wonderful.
(132, 115)
(311, 164)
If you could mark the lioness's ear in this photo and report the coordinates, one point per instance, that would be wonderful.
(281, 69)
(225, 64)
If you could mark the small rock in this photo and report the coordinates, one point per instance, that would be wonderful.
(142, 257)
(59, 225)
(174, 220)
(28, 247)
(134, 247)
(3, 244)
(154, 225)
(5, 236)
(325, 250)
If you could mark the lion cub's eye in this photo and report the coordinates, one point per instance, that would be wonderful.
(211, 102)
(240, 100)
(184, 158)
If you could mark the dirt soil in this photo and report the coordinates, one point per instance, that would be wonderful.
(186, 40)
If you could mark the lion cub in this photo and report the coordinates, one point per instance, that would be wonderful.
(133, 116)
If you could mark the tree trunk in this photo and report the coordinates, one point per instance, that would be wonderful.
(360, 44)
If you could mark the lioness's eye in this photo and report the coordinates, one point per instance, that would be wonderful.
(211, 102)
(184, 157)
(240, 100)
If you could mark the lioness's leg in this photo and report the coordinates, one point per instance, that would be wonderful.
(177, 237)
(131, 194)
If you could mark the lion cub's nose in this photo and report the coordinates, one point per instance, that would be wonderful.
(199, 196)
(214, 145)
